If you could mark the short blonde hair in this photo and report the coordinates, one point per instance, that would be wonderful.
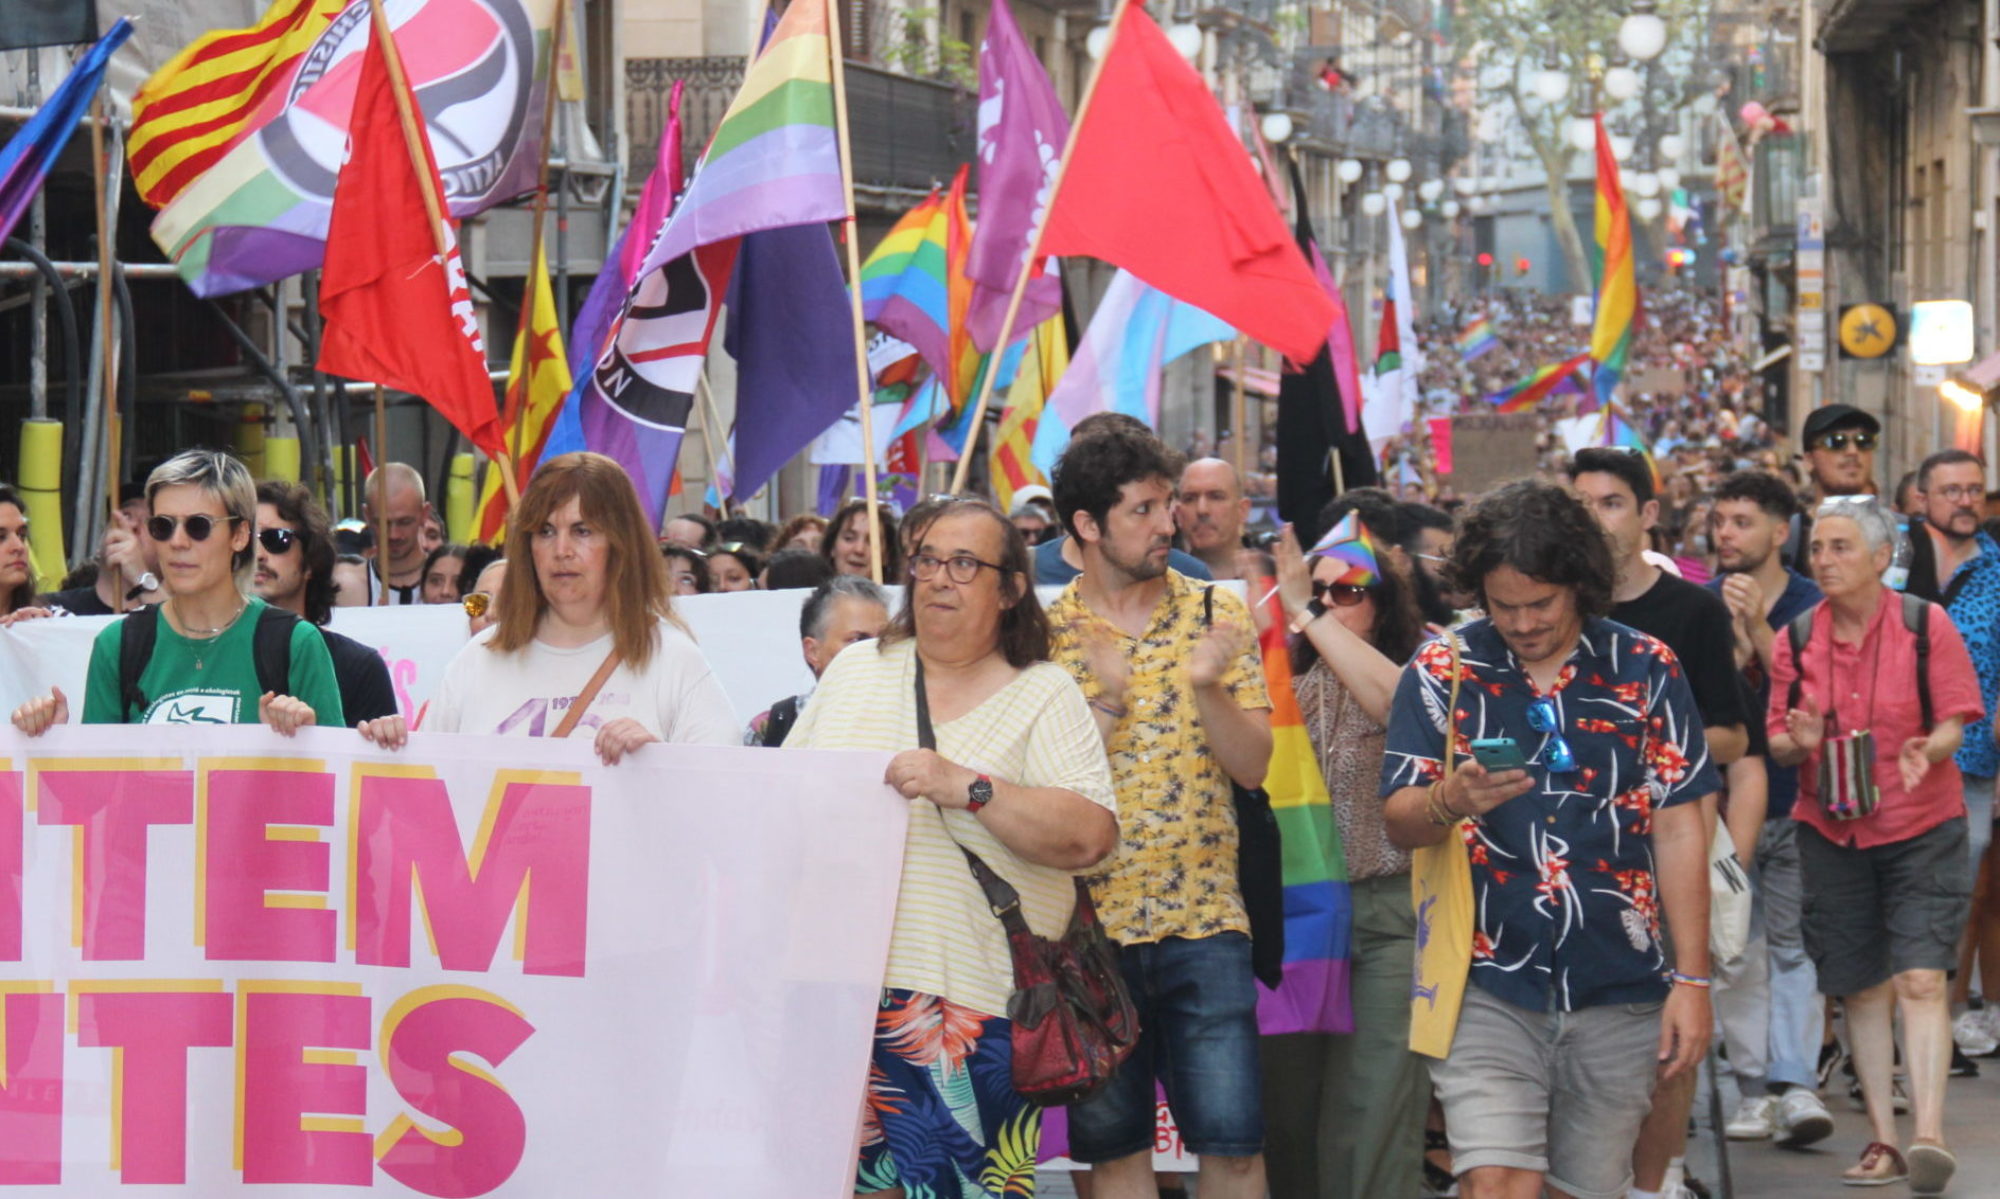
(223, 477)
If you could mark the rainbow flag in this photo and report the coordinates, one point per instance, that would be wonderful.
(1349, 544)
(1614, 428)
(1617, 284)
(914, 286)
(1549, 380)
(1319, 909)
(1476, 339)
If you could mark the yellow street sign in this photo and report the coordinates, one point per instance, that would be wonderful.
(1867, 330)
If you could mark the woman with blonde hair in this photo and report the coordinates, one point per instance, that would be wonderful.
(586, 635)
(211, 653)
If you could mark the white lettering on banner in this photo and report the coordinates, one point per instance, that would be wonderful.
(480, 966)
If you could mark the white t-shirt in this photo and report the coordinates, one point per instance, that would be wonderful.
(525, 694)
(1036, 731)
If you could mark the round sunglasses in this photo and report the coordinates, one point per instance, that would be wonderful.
(198, 526)
(1339, 595)
(275, 541)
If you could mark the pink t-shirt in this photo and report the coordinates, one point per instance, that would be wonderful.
(1873, 685)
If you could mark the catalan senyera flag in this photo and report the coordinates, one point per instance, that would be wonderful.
(216, 92)
(1042, 365)
(1617, 283)
(1319, 907)
(538, 382)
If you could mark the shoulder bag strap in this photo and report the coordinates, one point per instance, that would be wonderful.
(1451, 707)
(590, 690)
(1917, 618)
(1000, 894)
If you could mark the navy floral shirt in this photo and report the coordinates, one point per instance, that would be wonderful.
(1562, 877)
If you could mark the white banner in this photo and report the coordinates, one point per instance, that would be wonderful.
(232, 961)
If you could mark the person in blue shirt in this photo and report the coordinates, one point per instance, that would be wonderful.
(1956, 563)
(1572, 1011)
(1772, 1017)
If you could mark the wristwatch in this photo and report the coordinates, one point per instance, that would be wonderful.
(146, 583)
(979, 794)
(1311, 612)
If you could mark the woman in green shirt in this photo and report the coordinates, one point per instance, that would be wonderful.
(199, 658)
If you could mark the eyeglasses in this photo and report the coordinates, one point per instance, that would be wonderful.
(199, 526)
(1340, 595)
(477, 603)
(1543, 719)
(1840, 441)
(963, 568)
(1959, 493)
(274, 541)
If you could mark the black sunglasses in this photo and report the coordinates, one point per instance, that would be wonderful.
(199, 526)
(1840, 441)
(274, 541)
(1340, 595)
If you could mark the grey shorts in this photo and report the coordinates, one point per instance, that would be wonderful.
(1874, 913)
(1560, 1093)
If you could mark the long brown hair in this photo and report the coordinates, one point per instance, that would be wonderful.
(1024, 626)
(636, 594)
(854, 509)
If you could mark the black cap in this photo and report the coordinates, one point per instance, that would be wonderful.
(1836, 416)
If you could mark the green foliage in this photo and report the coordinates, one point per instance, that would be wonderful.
(909, 50)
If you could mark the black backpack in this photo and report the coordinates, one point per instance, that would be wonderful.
(1916, 618)
(272, 648)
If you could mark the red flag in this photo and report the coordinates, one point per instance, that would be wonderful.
(397, 312)
(1155, 152)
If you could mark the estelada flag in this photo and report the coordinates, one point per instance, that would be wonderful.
(397, 311)
(1155, 153)
(538, 383)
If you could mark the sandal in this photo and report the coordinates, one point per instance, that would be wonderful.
(1438, 1181)
(1880, 1166)
(1931, 1168)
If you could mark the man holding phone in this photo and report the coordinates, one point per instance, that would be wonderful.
(1571, 1005)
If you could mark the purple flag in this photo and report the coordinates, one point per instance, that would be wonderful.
(1022, 132)
(793, 345)
(26, 158)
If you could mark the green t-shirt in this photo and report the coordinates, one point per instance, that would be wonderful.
(217, 685)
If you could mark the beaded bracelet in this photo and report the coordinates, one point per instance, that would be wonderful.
(1689, 980)
(1111, 710)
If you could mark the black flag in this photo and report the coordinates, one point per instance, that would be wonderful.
(1312, 427)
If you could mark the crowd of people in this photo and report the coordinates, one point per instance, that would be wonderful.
(1601, 717)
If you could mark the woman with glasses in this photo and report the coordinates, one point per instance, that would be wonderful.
(1345, 1114)
(1017, 775)
(735, 566)
(585, 624)
(212, 653)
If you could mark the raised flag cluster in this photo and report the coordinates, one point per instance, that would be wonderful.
(27, 156)
(1554, 379)
(1617, 282)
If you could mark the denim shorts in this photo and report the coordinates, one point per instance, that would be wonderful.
(1559, 1093)
(1198, 1036)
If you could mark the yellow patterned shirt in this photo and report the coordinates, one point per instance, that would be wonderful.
(1174, 874)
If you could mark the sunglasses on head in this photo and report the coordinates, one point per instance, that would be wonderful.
(1840, 441)
(198, 526)
(274, 541)
(476, 604)
(1339, 595)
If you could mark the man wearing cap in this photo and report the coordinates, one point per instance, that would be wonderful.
(1839, 442)
(1033, 512)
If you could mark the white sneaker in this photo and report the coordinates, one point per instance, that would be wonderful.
(1802, 1119)
(1973, 1031)
(1755, 1118)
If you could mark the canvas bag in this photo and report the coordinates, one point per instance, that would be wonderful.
(1441, 891)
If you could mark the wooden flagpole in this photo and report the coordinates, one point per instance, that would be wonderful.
(1022, 280)
(1239, 413)
(107, 342)
(718, 450)
(380, 500)
(853, 238)
(433, 208)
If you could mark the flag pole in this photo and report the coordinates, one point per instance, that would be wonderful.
(523, 327)
(380, 500)
(853, 239)
(1026, 276)
(433, 204)
(716, 457)
(107, 344)
(1239, 414)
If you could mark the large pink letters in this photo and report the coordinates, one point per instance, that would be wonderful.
(243, 864)
(31, 1088)
(492, 1131)
(538, 832)
(280, 1088)
(113, 811)
(154, 1031)
(13, 839)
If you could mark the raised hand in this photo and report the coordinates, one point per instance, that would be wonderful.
(1806, 725)
(37, 716)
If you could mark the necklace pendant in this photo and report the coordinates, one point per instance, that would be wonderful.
(198, 664)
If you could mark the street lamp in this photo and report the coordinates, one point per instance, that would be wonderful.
(1185, 37)
(1398, 170)
(1349, 170)
(1582, 134)
(1372, 203)
(1621, 147)
(1649, 210)
(1645, 184)
(1412, 219)
(1450, 210)
(1669, 178)
(1672, 146)
(1551, 83)
(1392, 191)
(1097, 41)
(1642, 34)
(1621, 82)
(1277, 126)
(1465, 185)
(1429, 190)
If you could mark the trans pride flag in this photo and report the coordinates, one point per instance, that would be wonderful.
(1319, 910)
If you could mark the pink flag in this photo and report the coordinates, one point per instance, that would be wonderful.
(1340, 343)
(1022, 132)
(1441, 444)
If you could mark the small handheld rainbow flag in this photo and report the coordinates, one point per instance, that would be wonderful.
(1476, 339)
(1545, 382)
(1348, 542)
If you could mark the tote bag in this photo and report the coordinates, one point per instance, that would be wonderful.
(1441, 890)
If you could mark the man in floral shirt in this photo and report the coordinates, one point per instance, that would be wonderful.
(1571, 1006)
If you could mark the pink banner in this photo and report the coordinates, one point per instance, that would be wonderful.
(1441, 444)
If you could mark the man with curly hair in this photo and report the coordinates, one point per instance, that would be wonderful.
(1575, 858)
